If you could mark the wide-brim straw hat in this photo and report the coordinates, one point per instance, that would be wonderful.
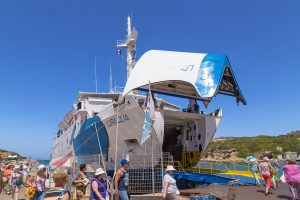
(266, 159)
(16, 167)
(99, 171)
(170, 168)
(40, 167)
(249, 157)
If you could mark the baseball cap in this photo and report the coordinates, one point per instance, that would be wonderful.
(124, 161)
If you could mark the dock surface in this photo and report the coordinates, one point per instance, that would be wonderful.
(257, 193)
(242, 193)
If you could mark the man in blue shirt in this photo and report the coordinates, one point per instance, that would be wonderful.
(121, 181)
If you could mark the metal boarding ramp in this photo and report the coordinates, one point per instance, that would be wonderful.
(147, 179)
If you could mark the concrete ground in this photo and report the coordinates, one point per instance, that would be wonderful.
(242, 193)
(254, 192)
(4, 196)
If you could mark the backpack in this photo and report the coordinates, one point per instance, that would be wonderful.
(255, 168)
(55, 194)
(19, 179)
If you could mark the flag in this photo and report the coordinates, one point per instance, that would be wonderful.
(118, 52)
(149, 117)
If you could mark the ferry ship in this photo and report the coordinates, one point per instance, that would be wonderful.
(112, 124)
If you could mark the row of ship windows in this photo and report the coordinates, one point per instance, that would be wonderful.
(191, 137)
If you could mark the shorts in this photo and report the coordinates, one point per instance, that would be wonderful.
(123, 195)
(171, 196)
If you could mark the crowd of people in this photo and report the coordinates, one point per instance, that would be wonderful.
(12, 176)
(270, 170)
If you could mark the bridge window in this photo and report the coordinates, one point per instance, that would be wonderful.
(187, 135)
(79, 106)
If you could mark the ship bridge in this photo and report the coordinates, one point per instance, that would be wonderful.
(189, 75)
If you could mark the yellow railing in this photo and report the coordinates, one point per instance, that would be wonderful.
(212, 167)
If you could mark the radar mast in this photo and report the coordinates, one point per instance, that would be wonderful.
(130, 45)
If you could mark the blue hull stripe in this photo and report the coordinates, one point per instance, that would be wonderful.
(86, 141)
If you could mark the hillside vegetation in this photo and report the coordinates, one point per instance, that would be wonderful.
(241, 147)
(5, 153)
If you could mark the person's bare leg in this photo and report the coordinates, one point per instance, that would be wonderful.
(274, 182)
(298, 190)
(16, 193)
(293, 191)
(13, 193)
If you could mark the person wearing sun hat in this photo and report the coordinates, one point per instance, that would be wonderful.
(264, 168)
(170, 187)
(254, 168)
(121, 181)
(16, 180)
(98, 186)
(38, 181)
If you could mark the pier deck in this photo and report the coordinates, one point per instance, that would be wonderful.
(242, 193)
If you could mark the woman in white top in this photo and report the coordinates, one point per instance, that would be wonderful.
(170, 188)
(38, 182)
(15, 180)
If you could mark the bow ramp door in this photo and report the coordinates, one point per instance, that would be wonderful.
(190, 75)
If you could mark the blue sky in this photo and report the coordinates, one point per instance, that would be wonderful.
(47, 51)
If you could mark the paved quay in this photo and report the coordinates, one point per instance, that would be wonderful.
(241, 193)
(257, 193)
(8, 197)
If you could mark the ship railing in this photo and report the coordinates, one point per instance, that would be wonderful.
(213, 167)
(176, 164)
(220, 166)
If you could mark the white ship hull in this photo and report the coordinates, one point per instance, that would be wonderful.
(173, 131)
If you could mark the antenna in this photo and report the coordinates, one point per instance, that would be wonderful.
(128, 27)
(96, 82)
(110, 77)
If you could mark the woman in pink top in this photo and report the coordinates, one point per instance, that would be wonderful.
(292, 176)
(264, 168)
